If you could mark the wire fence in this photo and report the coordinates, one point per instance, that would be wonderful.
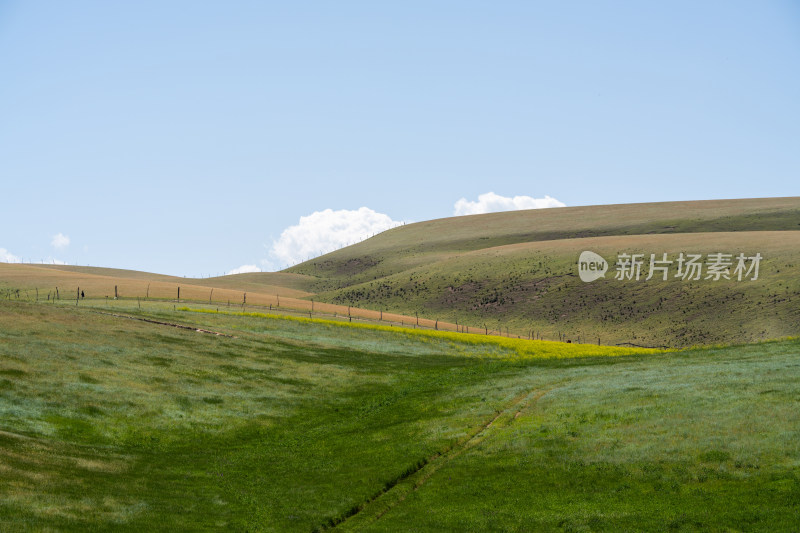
(142, 291)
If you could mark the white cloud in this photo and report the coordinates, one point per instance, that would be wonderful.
(492, 203)
(325, 231)
(244, 269)
(60, 241)
(8, 257)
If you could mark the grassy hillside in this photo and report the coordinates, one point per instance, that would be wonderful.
(112, 423)
(514, 273)
(535, 286)
(518, 270)
(109, 282)
(422, 243)
(51, 284)
(285, 284)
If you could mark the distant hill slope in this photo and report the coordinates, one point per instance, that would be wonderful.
(101, 282)
(519, 270)
(412, 245)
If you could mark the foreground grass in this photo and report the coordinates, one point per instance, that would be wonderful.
(708, 440)
(294, 426)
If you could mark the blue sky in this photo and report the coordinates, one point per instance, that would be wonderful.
(187, 137)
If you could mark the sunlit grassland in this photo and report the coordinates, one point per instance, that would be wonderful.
(258, 431)
(297, 424)
(703, 441)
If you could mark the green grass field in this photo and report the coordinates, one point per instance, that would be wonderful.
(111, 423)
(270, 402)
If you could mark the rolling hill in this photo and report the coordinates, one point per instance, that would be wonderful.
(518, 270)
(516, 273)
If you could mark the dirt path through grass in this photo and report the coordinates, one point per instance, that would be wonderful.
(171, 324)
(397, 491)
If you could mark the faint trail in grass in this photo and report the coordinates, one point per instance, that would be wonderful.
(11, 434)
(171, 324)
(396, 491)
(632, 345)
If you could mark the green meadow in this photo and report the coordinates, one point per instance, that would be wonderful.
(113, 423)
